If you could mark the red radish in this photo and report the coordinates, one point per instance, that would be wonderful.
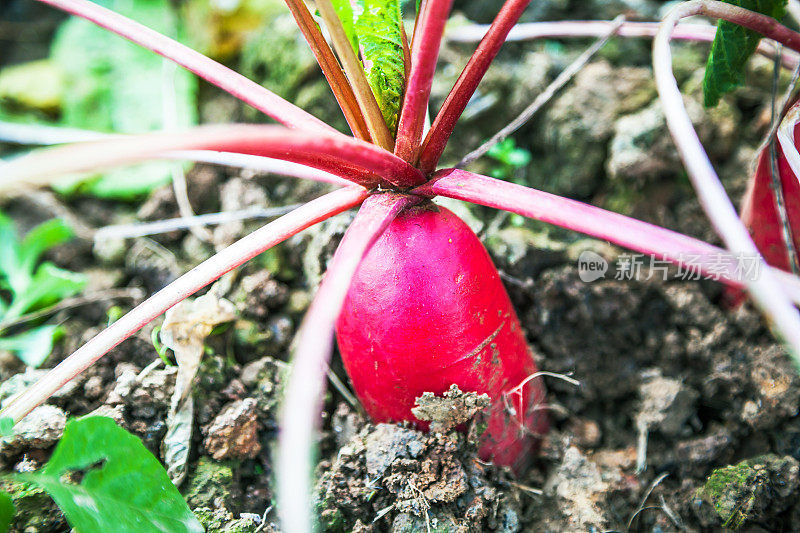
(760, 209)
(426, 309)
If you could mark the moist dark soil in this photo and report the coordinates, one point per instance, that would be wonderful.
(685, 417)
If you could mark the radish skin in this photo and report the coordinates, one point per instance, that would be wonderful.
(427, 309)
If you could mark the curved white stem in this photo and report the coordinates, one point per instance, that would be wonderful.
(764, 289)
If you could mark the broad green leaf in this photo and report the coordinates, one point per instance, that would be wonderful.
(41, 238)
(113, 85)
(32, 347)
(6, 511)
(49, 285)
(733, 45)
(124, 488)
(374, 28)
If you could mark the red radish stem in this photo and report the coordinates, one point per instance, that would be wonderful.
(358, 161)
(584, 218)
(764, 288)
(38, 134)
(219, 75)
(458, 327)
(467, 82)
(303, 397)
(424, 54)
(330, 68)
(191, 282)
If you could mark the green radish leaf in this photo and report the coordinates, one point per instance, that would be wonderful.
(379, 26)
(31, 347)
(344, 10)
(6, 511)
(374, 28)
(123, 488)
(116, 86)
(733, 45)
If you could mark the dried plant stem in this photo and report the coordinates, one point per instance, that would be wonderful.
(425, 45)
(692, 254)
(355, 73)
(330, 68)
(765, 290)
(597, 28)
(358, 161)
(301, 408)
(142, 229)
(226, 79)
(186, 285)
(561, 80)
(467, 82)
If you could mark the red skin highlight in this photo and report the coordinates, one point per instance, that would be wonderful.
(427, 309)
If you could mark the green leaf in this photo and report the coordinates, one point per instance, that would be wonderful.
(124, 488)
(6, 511)
(379, 24)
(344, 10)
(49, 285)
(32, 347)
(374, 28)
(6, 426)
(733, 45)
(41, 238)
(115, 86)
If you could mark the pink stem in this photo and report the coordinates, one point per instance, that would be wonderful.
(766, 291)
(304, 393)
(37, 134)
(599, 223)
(355, 160)
(424, 54)
(598, 28)
(242, 88)
(467, 82)
(183, 287)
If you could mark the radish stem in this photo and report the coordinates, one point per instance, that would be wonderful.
(186, 285)
(350, 158)
(712, 196)
(467, 82)
(304, 392)
(226, 79)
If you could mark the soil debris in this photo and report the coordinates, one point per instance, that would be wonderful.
(454, 407)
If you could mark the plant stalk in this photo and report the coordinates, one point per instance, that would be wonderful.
(186, 285)
(302, 404)
(219, 75)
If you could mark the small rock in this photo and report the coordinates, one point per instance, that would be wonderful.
(666, 405)
(234, 433)
(387, 443)
(40, 429)
(210, 484)
(580, 490)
